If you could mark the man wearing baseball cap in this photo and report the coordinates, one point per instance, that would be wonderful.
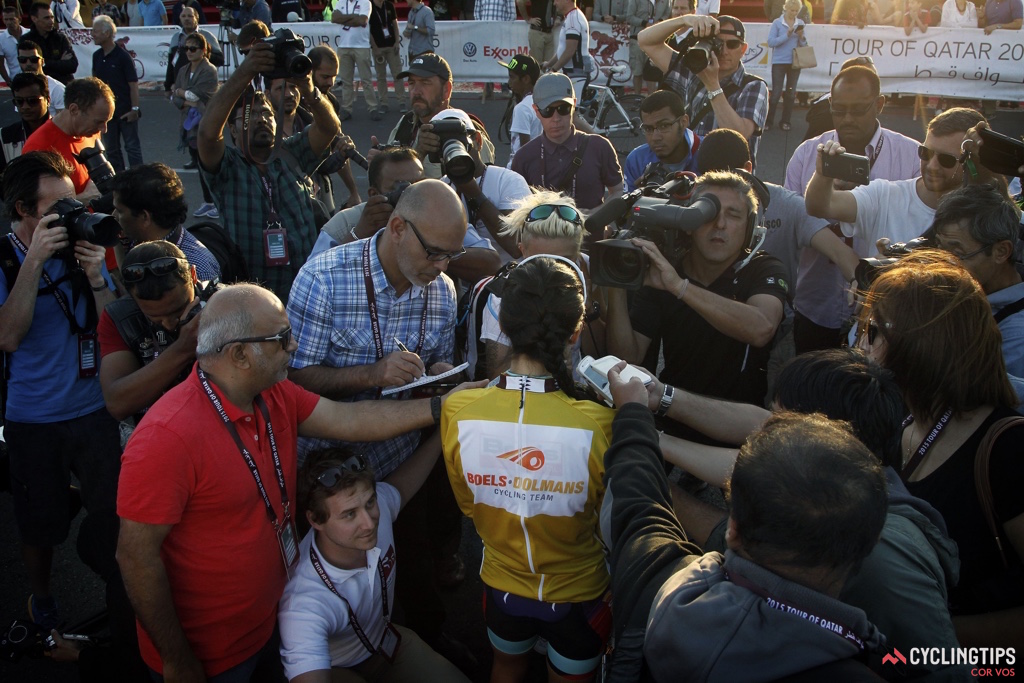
(581, 165)
(723, 95)
(523, 72)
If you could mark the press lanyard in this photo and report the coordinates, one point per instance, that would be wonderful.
(352, 615)
(268, 190)
(544, 169)
(57, 294)
(261, 404)
(926, 444)
(371, 300)
(873, 154)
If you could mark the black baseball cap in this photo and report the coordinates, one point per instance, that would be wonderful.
(427, 65)
(523, 65)
(727, 24)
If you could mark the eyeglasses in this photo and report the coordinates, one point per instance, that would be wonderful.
(284, 336)
(945, 160)
(663, 127)
(354, 464)
(563, 109)
(539, 213)
(432, 253)
(841, 112)
(22, 101)
(26, 60)
(874, 328)
(733, 44)
(960, 255)
(165, 265)
(193, 48)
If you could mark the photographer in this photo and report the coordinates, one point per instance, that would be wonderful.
(722, 95)
(265, 201)
(55, 422)
(148, 340)
(718, 313)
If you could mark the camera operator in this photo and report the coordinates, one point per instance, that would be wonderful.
(148, 340)
(717, 316)
(149, 203)
(55, 421)
(722, 95)
(265, 201)
(89, 105)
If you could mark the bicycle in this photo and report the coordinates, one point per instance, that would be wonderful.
(616, 118)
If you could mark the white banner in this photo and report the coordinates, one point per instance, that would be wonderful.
(949, 62)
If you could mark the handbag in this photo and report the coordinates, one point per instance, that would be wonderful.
(803, 57)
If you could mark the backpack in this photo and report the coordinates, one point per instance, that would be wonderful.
(215, 237)
(469, 319)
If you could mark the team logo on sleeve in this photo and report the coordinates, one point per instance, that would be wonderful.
(530, 458)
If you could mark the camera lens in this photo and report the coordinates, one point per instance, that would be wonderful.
(458, 164)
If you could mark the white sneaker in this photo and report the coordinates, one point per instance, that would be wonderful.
(205, 210)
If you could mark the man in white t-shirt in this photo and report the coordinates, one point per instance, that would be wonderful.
(337, 607)
(896, 209)
(710, 8)
(354, 51)
(523, 72)
(572, 55)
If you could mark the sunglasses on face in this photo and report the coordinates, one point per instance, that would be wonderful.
(840, 112)
(945, 160)
(563, 109)
(733, 43)
(332, 475)
(193, 48)
(28, 60)
(874, 328)
(22, 101)
(164, 265)
(539, 213)
(432, 253)
(284, 336)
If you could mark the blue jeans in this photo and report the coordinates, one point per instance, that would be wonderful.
(263, 667)
(780, 73)
(116, 130)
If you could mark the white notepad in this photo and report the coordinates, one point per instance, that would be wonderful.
(425, 379)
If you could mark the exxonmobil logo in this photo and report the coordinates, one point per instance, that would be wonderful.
(504, 52)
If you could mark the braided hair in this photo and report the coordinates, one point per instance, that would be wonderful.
(541, 308)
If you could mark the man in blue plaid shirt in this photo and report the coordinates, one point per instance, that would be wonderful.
(723, 95)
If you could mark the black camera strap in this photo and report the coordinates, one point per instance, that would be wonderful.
(74, 276)
(568, 182)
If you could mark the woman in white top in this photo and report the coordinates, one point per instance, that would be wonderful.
(959, 14)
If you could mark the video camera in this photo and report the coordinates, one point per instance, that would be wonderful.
(869, 268)
(454, 155)
(658, 213)
(289, 55)
(697, 51)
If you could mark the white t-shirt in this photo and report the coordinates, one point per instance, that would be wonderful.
(708, 7)
(56, 94)
(66, 14)
(575, 25)
(526, 121)
(505, 189)
(355, 36)
(9, 49)
(314, 623)
(951, 17)
(887, 208)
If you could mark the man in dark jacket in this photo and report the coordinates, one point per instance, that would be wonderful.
(59, 58)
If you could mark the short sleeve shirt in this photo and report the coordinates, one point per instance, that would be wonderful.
(48, 137)
(524, 122)
(575, 26)
(544, 164)
(354, 36)
(1003, 11)
(381, 22)
(117, 70)
(503, 188)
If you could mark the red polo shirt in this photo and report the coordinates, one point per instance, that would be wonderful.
(182, 468)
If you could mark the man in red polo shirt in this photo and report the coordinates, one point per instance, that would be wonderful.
(206, 490)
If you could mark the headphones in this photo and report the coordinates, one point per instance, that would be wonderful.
(756, 232)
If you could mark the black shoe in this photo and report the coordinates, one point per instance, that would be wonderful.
(190, 166)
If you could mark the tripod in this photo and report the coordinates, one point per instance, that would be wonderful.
(231, 56)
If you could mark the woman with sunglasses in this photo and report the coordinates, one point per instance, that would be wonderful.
(928, 321)
(545, 223)
(525, 458)
(194, 85)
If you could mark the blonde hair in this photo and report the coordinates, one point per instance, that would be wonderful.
(792, 4)
(552, 227)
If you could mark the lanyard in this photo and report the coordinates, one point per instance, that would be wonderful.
(268, 190)
(261, 404)
(352, 615)
(59, 295)
(873, 154)
(926, 444)
(371, 300)
(471, 214)
(544, 169)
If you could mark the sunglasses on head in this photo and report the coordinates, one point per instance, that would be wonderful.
(332, 475)
(945, 160)
(563, 109)
(26, 60)
(22, 101)
(164, 265)
(539, 213)
(284, 336)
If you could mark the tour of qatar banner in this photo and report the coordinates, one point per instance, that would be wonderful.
(948, 62)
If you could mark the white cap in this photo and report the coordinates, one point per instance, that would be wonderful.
(455, 114)
(293, 17)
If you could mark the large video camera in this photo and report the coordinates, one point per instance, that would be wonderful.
(289, 55)
(454, 155)
(697, 51)
(663, 214)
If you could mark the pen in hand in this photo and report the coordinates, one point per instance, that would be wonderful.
(401, 346)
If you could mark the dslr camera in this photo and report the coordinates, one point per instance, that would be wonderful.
(454, 155)
(290, 60)
(97, 228)
(869, 268)
(663, 214)
(697, 51)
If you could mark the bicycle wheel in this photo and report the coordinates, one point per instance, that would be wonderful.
(623, 132)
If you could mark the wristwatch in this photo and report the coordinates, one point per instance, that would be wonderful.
(715, 93)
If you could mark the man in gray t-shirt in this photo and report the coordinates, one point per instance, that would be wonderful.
(419, 29)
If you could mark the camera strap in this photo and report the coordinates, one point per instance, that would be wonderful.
(568, 182)
(74, 276)
(371, 301)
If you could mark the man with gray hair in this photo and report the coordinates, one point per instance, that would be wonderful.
(112, 64)
(223, 446)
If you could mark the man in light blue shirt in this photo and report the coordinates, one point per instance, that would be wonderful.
(153, 13)
(669, 141)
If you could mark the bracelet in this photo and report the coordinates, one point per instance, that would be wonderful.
(682, 290)
(353, 235)
(666, 401)
(715, 93)
(435, 409)
(101, 288)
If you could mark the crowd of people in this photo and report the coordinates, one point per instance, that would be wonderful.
(249, 420)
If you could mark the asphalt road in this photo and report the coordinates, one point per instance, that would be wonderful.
(81, 594)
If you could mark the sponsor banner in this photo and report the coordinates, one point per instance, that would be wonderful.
(948, 62)
(549, 475)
